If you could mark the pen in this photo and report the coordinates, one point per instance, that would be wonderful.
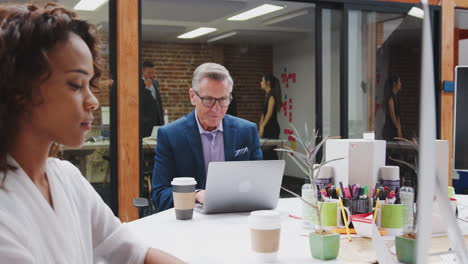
(318, 192)
(342, 190)
(375, 189)
(330, 192)
(324, 195)
(356, 192)
(345, 220)
(347, 192)
(386, 191)
(382, 194)
(376, 209)
(397, 195)
(391, 197)
(365, 191)
(377, 194)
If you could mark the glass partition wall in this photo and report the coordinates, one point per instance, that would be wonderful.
(383, 80)
(370, 69)
(330, 21)
(95, 159)
(335, 62)
(367, 58)
(279, 43)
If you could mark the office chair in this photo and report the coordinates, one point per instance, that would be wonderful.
(143, 204)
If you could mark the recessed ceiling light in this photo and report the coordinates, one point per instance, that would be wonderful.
(222, 36)
(89, 5)
(197, 32)
(416, 12)
(258, 11)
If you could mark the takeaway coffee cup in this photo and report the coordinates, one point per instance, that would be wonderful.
(183, 190)
(265, 227)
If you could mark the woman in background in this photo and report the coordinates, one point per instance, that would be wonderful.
(392, 127)
(269, 127)
(49, 213)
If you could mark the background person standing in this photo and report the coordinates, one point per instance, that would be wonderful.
(152, 110)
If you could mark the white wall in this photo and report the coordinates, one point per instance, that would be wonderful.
(463, 52)
(296, 57)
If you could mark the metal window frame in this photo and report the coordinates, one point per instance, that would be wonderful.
(114, 155)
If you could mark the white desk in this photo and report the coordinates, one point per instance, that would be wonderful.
(225, 238)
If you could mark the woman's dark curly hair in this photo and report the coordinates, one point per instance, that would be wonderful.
(27, 33)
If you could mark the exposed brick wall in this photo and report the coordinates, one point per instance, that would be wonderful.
(403, 62)
(102, 92)
(246, 66)
(175, 63)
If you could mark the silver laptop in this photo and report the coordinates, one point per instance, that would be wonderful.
(240, 186)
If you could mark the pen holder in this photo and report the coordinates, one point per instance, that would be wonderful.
(359, 206)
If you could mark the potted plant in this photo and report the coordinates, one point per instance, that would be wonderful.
(405, 246)
(324, 244)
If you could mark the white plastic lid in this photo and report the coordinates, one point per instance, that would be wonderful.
(390, 173)
(265, 220)
(183, 181)
(326, 172)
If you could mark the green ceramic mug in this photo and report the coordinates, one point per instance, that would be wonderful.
(330, 214)
(391, 215)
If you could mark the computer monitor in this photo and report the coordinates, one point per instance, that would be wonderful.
(460, 127)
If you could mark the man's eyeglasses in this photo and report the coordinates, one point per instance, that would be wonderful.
(210, 101)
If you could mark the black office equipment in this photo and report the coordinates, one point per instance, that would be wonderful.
(460, 149)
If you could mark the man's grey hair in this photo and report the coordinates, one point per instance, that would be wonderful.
(213, 71)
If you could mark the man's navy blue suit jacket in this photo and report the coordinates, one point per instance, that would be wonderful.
(179, 153)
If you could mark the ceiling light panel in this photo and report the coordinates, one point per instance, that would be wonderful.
(416, 12)
(89, 5)
(255, 12)
(197, 33)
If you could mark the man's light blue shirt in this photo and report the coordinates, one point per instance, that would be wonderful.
(212, 143)
(152, 88)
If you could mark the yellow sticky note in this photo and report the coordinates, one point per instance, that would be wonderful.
(293, 145)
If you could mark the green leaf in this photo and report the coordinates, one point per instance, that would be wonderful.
(306, 171)
(298, 196)
(299, 155)
(411, 166)
(298, 137)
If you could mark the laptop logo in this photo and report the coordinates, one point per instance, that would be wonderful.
(245, 186)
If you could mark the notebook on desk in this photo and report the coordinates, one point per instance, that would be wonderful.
(240, 186)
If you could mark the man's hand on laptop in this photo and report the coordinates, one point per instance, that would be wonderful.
(200, 196)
